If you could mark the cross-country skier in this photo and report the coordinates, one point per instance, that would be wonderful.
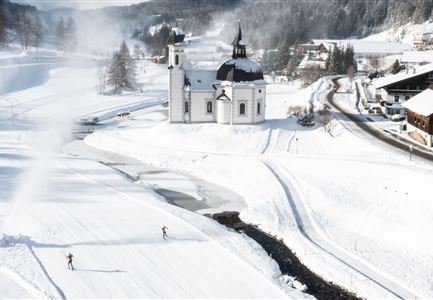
(70, 265)
(164, 232)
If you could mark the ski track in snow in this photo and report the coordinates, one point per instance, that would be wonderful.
(311, 232)
(305, 222)
(278, 144)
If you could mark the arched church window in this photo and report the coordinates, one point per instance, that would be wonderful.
(209, 107)
(186, 107)
(242, 109)
(176, 59)
(258, 108)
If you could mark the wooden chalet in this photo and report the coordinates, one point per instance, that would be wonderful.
(420, 117)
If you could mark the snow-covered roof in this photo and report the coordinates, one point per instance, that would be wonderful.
(201, 80)
(244, 64)
(155, 28)
(367, 46)
(307, 62)
(388, 80)
(417, 57)
(421, 103)
(253, 83)
(178, 31)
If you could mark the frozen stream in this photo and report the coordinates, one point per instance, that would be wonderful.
(181, 189)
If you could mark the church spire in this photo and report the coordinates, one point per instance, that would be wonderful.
(239, 45)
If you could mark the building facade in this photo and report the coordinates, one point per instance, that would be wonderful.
(396, 89)
(235, 93)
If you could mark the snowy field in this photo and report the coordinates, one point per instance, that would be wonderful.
(52, 204)
(353, 211)
(362, 205)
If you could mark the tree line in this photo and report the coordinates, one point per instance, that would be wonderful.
(267, 24)
(29, 27)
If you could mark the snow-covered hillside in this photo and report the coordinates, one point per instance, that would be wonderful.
(354, 212)
(52, 204)
(405, 33)
(348, 193)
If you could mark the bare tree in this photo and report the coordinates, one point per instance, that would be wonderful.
(374, 62)
(310, 74)
(102, 79)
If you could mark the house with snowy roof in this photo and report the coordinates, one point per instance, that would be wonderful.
(417, 58)
(394, 90)
(235, 93)
(367, 48)
(420, 117)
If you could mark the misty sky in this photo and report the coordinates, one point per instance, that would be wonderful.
(79, 4)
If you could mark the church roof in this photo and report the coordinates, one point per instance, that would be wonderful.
(239, 68)
(200, 80)
(238, 41)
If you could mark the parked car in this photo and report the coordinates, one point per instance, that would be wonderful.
(123, 114)
(397, 118)
(88, 121)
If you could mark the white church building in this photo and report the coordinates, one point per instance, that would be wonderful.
(235, 93)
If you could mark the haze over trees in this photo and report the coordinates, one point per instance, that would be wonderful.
(29, 30)
(66, 35)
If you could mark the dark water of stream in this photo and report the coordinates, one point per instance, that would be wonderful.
(287, 260)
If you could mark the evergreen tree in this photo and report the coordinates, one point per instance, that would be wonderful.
(349, 59)
(283, 56)
(130, 67)
(265, 61)
(37, 33)
(396, 67)
(122, 72)
(70, 36)
(3, 36)
(116, 73)
(23, 29)
(294, 60)
(60, 35)
(328, 61)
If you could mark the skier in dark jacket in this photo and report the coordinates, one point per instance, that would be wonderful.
(70, 265)
(164, 232)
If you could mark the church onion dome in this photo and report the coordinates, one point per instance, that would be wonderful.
(239, 68)
(176, 36)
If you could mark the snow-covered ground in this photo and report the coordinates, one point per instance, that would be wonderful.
(52, 204)
(351, 198)
(405, 33)
(354, 212)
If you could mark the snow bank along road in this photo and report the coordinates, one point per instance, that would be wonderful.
(378, 134)
(365, 277)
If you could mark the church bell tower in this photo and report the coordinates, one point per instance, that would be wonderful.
(176, 59)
